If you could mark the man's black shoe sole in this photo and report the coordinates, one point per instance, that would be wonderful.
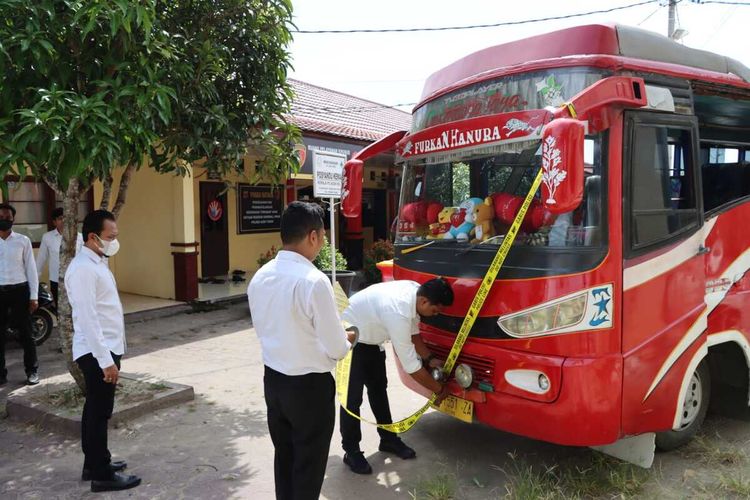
(98, 488)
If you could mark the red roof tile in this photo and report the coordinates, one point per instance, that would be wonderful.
(317, 109)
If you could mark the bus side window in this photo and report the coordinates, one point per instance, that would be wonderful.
(662, 188)
(725, 174)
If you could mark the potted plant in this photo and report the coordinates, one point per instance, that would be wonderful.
(344, 277)
(381, 250)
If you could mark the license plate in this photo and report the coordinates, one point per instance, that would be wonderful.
(462, 409)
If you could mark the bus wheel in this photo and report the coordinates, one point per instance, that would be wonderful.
(694, 408)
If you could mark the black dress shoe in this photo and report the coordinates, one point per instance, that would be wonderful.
(398, 448)
(116, 466)
(118, 482)
(357, 463)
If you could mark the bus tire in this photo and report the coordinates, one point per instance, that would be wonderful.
(694, 409)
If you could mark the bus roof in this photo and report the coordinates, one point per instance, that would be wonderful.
(619, 41)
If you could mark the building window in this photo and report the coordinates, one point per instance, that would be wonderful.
(31, 201)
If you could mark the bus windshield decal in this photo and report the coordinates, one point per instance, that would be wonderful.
(475, 132)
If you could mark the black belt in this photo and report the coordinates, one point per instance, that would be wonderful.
(17, 286)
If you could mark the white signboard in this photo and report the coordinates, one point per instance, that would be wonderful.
(328, 173)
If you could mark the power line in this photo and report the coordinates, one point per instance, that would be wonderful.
(494, 25)
(720, 2)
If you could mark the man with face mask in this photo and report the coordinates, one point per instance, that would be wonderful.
(98, 345)
(388, 311)
(49, 251)
(19, 287)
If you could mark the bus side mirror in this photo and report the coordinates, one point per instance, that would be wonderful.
(351, 189)
(562, 165)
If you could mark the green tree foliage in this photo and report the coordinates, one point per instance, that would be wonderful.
(89, 86)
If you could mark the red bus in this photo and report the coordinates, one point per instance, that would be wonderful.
(619, 315)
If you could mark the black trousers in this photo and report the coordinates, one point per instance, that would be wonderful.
(14, 310)
(301, 415)
(367, 370)
(100, 401)
(54, 288)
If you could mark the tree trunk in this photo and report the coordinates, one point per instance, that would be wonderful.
(107, 193)
(122, 191)
(64, 318)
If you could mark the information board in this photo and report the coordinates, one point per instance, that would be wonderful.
(259, 208)
(328, 172)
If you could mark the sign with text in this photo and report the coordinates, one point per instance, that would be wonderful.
(259, 208)
(328, 172)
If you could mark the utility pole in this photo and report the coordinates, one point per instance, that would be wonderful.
(672, 13)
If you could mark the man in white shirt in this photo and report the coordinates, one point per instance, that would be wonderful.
(381, 312)
(98, 345)
(301, 337)
(19, 287)
(49, 250)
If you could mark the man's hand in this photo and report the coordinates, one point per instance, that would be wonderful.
(444, 393)
(111, 374)
(352, 335)
(436, 363)
(33, 306)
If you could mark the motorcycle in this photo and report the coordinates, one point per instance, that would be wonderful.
(42, 320)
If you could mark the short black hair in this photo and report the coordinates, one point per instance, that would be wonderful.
(58, 212)
(300, 219)
(437, 291)
(7, 206)
(94, 222)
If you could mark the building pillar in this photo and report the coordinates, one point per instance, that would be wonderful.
(184, 245)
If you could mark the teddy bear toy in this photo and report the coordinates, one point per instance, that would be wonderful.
(482, 215)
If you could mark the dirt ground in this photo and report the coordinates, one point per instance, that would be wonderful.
(218, 446)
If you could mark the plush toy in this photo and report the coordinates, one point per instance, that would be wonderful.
(462, 221)
(440, 228)
(482, 216)
(506, 207)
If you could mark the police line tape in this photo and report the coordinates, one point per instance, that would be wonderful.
(343, 367)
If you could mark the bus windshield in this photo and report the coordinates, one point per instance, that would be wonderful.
(472, 198)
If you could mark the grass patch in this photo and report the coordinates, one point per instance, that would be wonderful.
(604, 477)
(440, 487)
(69, 398)
(709, 452)
(734, 485)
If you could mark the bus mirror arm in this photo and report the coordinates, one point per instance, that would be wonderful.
(593, 103)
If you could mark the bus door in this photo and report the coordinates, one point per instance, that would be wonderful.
(663, 267)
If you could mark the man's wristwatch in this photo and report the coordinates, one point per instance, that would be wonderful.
(426, 361)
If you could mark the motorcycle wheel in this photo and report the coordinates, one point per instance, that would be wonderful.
(41, 326)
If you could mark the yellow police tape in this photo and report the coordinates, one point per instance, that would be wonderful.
(343, 366)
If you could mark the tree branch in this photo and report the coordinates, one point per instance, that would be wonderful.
(122, 191)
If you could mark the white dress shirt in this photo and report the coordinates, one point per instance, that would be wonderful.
(50, 250)
(98, 324)
(294, 315)
(17, 263)
(388, 311)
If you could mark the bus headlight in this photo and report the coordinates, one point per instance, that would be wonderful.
(547, 318)
(464, 375)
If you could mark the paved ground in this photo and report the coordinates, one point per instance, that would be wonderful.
(218, 446)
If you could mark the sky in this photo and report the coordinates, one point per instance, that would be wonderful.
(390, 68)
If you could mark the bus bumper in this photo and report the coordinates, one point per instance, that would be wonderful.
(581, 408)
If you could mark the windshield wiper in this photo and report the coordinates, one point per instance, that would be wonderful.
(475, 245)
